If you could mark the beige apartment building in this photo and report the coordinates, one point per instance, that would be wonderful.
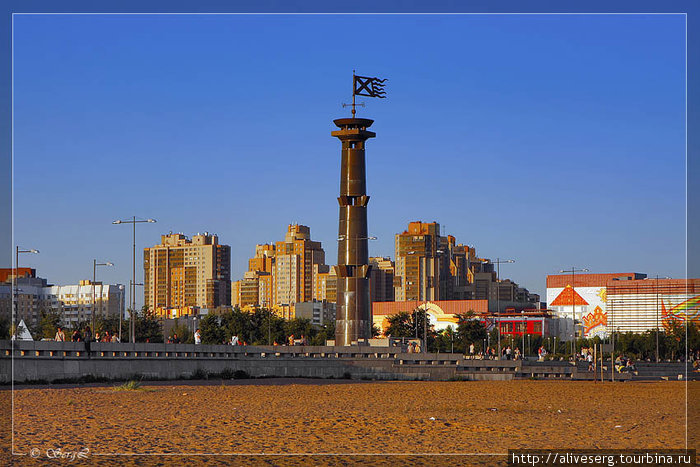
(289, 272)
(326, 285)
(430, 266)
(183, 275)
(381, 279)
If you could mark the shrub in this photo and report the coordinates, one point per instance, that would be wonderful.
(131, 385)
(240, 374)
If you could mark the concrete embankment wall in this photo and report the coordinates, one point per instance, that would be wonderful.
(26, 361)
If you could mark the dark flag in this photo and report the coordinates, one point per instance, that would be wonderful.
(370, 87)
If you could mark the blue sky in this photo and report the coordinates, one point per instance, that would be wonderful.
(556, 140)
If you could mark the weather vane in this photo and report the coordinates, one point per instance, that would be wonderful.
(366, 86)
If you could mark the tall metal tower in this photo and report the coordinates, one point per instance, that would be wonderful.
(353, 314)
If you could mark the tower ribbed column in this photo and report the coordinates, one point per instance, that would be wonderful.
(353, 313)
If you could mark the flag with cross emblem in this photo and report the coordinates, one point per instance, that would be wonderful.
(370, 87)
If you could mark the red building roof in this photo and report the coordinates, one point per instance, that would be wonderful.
(449, 307)
(568, 297)
(589, 280)
(649, 286)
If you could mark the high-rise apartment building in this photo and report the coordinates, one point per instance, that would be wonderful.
(295, 258)
(422, 263)
(432, 267)
(289, 272)
(381, 280)
(326, 285)
(183, 275)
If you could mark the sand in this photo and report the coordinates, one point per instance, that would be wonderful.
(332, 419)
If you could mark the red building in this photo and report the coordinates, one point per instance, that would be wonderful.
(7, 273)
(533, 322)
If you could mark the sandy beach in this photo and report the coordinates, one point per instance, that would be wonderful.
(335, 419)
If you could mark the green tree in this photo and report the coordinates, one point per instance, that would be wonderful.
(265, 327)
(5, 325)
(235, 323)
(693, 336)
(325, 333)
(299, 327)
(110, 324)
(147, 326)
(404, 324)
(211, 330)
(48, 324)
(183, 332)
(401, 325)
(446, 340)
(470, 330)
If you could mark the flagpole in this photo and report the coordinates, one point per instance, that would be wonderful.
(353, 93)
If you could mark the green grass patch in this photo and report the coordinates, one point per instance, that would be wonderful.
(131, 385)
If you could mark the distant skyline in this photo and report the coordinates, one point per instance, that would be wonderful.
(555, 140)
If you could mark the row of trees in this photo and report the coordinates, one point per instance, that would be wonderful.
(147, 326)
(671, 342)
(469, 330)
(263, 327)
(260, 327)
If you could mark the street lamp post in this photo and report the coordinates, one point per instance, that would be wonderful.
(573, 272)
(132, 288)
(16, 289)
(657, 316)
(94, 278)
(121, 310)
(498, 296)
(415, 310)
(524, 328)
(132, 320)
(418, 297)
(427, 287)
(269, 318)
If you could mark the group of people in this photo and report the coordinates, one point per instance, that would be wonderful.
(507, 353)
(624, 365)
(413, 347)
(300, 341)
(511, 354)
(235, 340)
(174, 339)
(86, 336)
